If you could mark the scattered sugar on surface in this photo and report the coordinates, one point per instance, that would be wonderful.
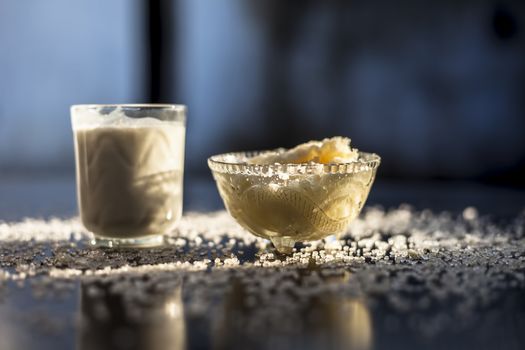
(408, 261)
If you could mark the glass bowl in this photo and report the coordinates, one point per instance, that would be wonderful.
(289, 203)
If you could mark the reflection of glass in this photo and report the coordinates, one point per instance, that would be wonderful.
(130, 318)
(289, 203)
(129, 161)
(324, 321)
(349, 322)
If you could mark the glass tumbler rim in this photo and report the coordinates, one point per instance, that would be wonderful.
(168, 106)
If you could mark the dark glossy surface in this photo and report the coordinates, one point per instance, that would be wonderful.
(324, 321)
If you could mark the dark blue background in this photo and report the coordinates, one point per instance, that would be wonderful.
(437, 88)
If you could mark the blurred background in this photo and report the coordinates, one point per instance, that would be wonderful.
(437, 88)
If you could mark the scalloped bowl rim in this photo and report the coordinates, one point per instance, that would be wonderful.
(235, 163)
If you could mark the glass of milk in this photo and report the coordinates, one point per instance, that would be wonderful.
(129, 169)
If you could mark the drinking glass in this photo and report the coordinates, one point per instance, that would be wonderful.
(129, 171)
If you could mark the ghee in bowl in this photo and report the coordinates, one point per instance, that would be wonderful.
(302, 194)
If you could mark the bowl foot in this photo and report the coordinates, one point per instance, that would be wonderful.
(284, 245)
